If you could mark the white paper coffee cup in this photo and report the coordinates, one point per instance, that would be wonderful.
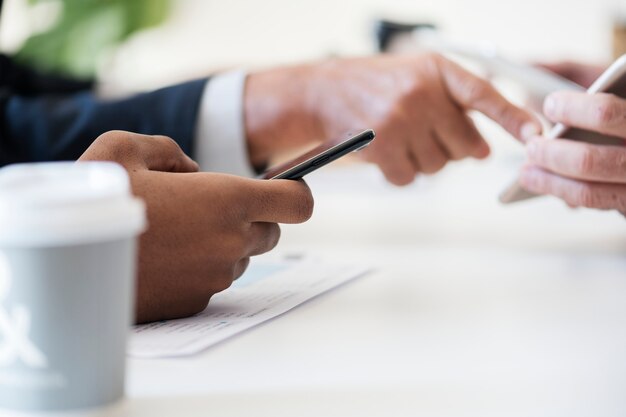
(68, 235)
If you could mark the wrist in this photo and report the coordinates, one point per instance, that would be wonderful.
(280, 112)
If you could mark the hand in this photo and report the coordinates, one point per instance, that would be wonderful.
(203, 227)
(416, 104)
(580, 173)
(583, 74)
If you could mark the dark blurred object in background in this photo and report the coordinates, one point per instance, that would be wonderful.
(387, 30)
(26, 81)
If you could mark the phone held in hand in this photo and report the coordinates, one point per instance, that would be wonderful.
(318, 157)
(612, 81)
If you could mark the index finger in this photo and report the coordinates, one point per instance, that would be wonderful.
(134, 150)
(162, 153)
(601, 112)
(579, 160)
(279, 201)
(474, 93)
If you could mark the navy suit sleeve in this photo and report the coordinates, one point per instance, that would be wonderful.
(61, 127)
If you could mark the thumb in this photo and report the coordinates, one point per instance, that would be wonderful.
(279, 201)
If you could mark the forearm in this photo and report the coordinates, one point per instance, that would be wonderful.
(46, 128)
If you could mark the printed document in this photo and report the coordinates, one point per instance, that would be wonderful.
(268, 289)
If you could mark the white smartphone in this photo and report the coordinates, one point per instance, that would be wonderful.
(612, 81)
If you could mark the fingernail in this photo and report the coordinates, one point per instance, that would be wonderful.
(549, 106)
(529, 130)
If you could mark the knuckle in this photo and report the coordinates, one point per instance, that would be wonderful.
(510, 118)
(433, 165)
(432, 158)
(606, 112)
(240, 268)
(108, 136)
(170, 148)
(429, 168)
(457, 155)
(169, 144)
(586, 162)
(457, 147)
(223, 280)
(616, 201)
(274, 236)
(474, 91)
(223, 283)
(585, 196)
(115, 145)
(620, 163)
(121, 141)
(399, 178)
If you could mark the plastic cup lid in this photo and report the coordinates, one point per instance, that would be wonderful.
(67, 203)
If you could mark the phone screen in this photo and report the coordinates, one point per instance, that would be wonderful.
(316, 158)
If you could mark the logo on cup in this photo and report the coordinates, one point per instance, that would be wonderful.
(14, 327)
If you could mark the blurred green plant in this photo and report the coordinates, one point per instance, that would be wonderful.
(85, 29)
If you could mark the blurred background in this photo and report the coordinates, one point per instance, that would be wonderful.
(514, 307)
(142, 44)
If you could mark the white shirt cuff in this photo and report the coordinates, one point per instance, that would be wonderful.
(220, 142)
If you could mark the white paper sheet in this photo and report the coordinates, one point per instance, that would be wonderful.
(266, 290)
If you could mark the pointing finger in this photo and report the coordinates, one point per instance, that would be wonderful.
(474, 93)
(604, 113)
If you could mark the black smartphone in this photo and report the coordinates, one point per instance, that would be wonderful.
(318, 157)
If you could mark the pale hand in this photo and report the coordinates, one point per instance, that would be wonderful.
(580, 173)
(418, 106)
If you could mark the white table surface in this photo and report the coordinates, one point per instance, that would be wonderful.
(474, 309)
